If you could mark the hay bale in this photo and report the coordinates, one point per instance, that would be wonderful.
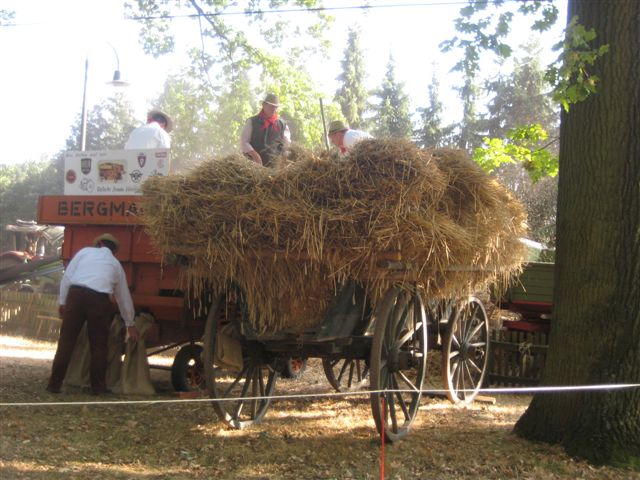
(326, 220)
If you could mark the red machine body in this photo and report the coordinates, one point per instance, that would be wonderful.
(153, 285)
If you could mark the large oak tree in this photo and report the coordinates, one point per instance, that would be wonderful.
(595, 336)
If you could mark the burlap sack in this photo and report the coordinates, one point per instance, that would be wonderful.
(78, 371)
(228, 351)
(128, 377)
(135, 377)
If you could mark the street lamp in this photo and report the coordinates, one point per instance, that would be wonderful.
(116, 82)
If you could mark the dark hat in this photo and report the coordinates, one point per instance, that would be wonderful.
(166, 117)
(109, 238)
(337, 126)
(271, 99)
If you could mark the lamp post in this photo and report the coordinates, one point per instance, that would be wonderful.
(116, 82)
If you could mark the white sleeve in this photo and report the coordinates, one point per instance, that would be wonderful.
(65, 283)
(131, 141)
(351, 137)
(123, 297)
(245, 137)
(164, 140)
(127, 146)
(287, 135)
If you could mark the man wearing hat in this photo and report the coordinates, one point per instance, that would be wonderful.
(265, 136)
(345, 138)
(91, 277)
(155, 134)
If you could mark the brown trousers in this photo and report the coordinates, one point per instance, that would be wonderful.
(84, 304)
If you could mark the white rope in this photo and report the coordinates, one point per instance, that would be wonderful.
(549, 389)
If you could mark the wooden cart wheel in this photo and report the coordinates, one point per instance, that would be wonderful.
(256, 378)
(187, 372)
(398, 361)
(294, 367)
(465, 351)
(346, 374)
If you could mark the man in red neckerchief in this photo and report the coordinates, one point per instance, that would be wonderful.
(265, 136)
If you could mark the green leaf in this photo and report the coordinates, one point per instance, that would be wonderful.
(519, 146)
(569, 75)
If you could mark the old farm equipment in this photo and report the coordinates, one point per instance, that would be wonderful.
(179, 322)
(519, 348)
(388, 340)
(153, 285)
(32, 262)
(29, 241)
(359, 262)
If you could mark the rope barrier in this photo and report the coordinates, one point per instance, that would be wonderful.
(548, 389)
(384, 415)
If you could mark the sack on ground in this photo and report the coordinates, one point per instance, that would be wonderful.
(228, 352)
(135, 378)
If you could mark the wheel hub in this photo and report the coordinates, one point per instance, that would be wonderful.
(402, 360)
(467, 351)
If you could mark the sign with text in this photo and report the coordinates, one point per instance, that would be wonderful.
(112, 172)
(89, 210)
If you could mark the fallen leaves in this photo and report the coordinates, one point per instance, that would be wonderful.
(315, 439)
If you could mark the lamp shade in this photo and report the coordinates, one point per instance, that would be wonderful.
(117, 82)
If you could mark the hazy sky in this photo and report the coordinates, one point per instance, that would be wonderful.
(43, 58)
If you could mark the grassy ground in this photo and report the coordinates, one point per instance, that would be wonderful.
(303, 439)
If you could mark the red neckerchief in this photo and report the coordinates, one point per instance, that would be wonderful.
(271, 121)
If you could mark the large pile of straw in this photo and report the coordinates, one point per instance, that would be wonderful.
(288, 236)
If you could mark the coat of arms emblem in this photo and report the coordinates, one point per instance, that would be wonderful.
(85, 165)
(142, 159)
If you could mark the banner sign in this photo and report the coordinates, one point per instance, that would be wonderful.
(89, 210)
(112, 172)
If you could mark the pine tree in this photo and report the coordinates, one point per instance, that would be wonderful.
(520, 98)
(431, 132)
(352, 94)
(471, 131)
(392, 111)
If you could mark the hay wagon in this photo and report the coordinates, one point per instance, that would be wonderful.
(385, 343)
(330, 282)
(301, 260)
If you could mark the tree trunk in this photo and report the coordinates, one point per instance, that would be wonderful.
(595, 337)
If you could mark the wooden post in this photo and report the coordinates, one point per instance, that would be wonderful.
(324, 125)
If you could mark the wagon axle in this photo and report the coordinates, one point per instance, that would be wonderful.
(400, 360)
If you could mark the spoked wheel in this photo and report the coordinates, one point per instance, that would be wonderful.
(465, 351)
(346, 374)
(244, 386)
(294, 367)
(187, 372)
(398, 361)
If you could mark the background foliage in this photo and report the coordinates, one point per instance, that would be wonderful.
(509, 123)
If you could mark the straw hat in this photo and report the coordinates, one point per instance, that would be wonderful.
(271, 99)
(337, 126)
(109, 238)
(166, 117)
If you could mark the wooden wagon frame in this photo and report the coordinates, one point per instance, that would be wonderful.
(386, 343)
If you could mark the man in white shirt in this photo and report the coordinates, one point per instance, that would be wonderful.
(92, 275)
(266, 135)
(345, 138)
(155, 134)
